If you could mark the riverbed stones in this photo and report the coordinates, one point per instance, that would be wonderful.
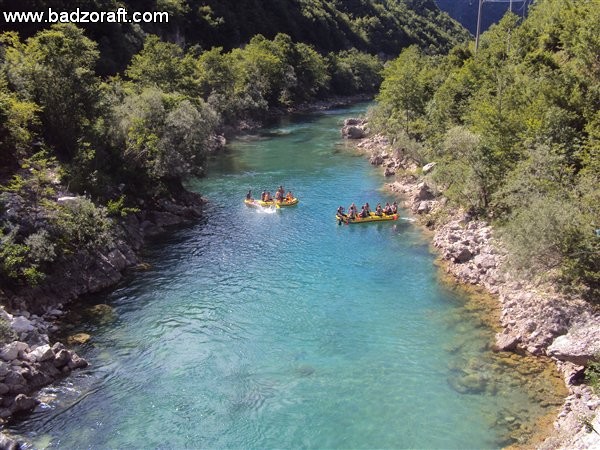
(21, 324)
(42, 353)
(462, 255)
(11, 351)
(24, 370)
(62, 358)
(77, 362)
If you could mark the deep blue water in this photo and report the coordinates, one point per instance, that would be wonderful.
(260, 329)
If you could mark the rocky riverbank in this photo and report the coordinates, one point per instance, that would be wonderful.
(30, 360)
(535, 317)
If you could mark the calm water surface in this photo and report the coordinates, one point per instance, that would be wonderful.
(255, 329)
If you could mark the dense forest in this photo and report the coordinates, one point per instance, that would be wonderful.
(373, 26)
(515, 130)
(117, 116)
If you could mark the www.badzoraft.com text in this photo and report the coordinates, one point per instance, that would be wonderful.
(121, 15)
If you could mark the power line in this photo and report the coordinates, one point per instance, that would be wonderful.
(481, 2)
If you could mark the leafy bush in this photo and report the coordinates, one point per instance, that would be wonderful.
(17, 264)
(117, 208)
(542, 232)
(83, 225)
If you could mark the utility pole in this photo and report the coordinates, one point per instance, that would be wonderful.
(479, 25)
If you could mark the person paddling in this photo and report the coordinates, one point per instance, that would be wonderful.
(352, 211)
(249, 195)
(394, 208)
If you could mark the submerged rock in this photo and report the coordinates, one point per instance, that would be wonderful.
(78, 339)
(101, 313)
(505, 342)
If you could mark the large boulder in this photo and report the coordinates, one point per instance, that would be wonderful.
(353, 132)
(42, 353)
(11, 351)
(578, 346)
(424, 192)
(21, 324)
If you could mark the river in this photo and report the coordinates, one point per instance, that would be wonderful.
(283, 329)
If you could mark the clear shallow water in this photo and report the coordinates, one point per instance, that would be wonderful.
(283, 330)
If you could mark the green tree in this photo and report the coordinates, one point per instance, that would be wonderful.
(164, 65)
(18, 120)
(55, 68)
(164, 134)
(405, 89)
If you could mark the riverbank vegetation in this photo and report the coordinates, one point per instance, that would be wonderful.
(515, 131)
(92, 130)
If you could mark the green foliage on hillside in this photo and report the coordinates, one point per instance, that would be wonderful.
(372, 26)
(515, 131)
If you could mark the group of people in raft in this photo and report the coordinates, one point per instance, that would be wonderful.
(280, 196)
(365, 211)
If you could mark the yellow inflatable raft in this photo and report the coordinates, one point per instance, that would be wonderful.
(372, 218)
(281, 204)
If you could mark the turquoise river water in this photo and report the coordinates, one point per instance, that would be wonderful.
(260, 329)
